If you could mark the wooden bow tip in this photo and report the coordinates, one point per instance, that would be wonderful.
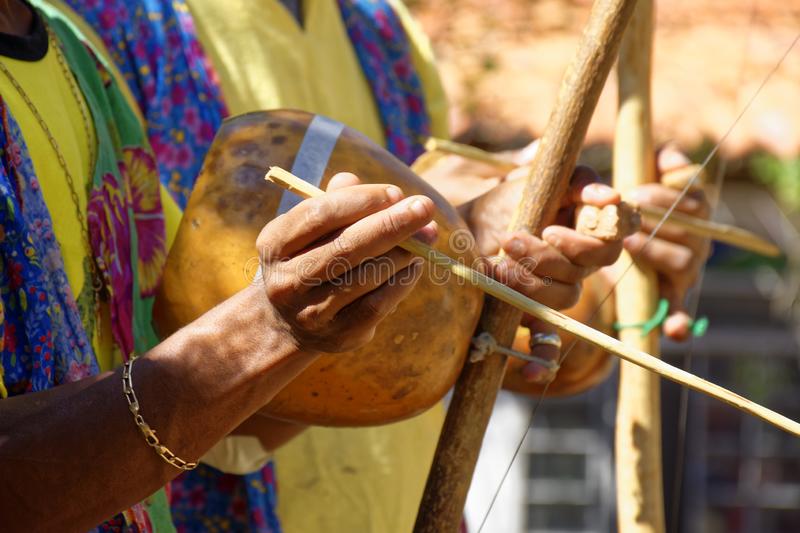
(609, 223)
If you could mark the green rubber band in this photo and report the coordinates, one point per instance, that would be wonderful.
(699, 327)
(652, 323)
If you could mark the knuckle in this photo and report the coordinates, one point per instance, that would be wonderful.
(310, 318)
(265, 242)
(371, 307)
(344, 245)
(277, 288)
(317, 213)
(390, 224)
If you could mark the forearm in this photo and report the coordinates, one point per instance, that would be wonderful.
(77, 448)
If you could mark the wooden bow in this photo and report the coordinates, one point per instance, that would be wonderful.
(524, 304)
(475, 392)
(640, 498)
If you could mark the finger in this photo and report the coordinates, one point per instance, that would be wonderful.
(540, 258)
(544, 290)
(675, 234)
(555, 294)
(373, 307)
(331, 297)
(342, 180)
(581, 249)
(676, 262)
(315, 218)
(582, 177)
(369, 237)
(518, 173)
(598, 195)
(654, 194)
(535, 372)
(677, 326)
(429, 233)
(670, 157)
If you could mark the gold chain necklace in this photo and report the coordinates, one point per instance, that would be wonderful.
(99, 275)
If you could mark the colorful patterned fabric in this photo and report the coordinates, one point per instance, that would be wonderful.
(154, 44)
(385, 56)
(206, 500)
(44, 340)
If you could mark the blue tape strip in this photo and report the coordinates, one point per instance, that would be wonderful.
(312, 158)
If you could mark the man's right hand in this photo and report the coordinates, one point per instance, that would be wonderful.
(330, 265)
(207, 378)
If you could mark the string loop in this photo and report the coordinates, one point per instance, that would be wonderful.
(485, 344)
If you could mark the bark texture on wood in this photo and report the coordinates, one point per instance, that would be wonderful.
(640, 498)
(443, 501)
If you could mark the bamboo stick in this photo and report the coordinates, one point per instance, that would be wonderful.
(521, 302)
(640, 493)
(471, 405)
(741, 238)
(466, 151)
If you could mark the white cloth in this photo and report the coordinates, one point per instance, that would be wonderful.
(237, 454)
(509, 421)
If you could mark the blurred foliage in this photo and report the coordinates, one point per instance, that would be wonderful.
(782, 176)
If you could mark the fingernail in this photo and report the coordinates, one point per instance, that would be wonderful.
(515, 247)
(690, 203)
(394, 194)
(418, 208)
(550, 238)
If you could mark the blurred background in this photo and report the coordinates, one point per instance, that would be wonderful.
(502, 62)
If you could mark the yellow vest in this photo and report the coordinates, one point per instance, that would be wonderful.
(329, 479)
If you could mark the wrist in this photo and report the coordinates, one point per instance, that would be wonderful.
(238, 353)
